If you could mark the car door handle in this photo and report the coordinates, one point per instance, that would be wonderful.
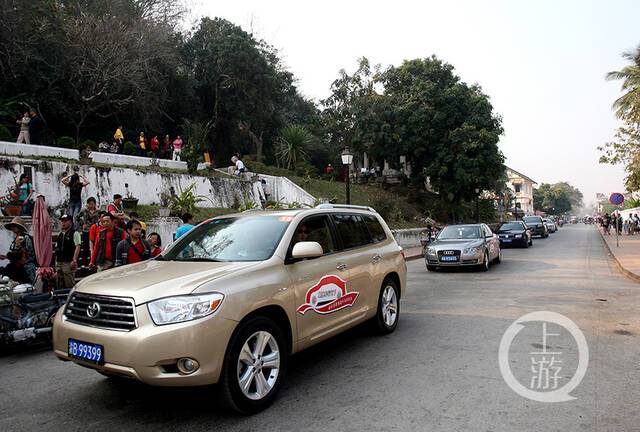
(376, 258)
(341, 267)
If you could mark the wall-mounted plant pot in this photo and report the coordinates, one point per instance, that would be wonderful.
(164, 212)
(129, 203)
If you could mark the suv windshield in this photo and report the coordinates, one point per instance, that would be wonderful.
(251, 238)
(460, 232)
(532, 219)
(511, 226)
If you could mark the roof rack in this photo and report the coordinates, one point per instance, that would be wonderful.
(345, 206)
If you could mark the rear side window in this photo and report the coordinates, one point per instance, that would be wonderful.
(375, 229)
(352, 230)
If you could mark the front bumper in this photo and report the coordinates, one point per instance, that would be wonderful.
(514, 242)
(149, 352)
(465, 260)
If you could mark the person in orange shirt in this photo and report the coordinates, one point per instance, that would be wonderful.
(104, 249)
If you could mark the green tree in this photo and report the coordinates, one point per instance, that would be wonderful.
(293, 145)
(625, 147)
(629, 102)
(557, 198)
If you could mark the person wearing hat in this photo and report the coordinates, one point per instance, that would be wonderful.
(67, 252)
(23, 243)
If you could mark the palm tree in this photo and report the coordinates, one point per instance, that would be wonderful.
(629, 103)
(293, 144)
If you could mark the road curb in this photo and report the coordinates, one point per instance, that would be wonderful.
(631, 275)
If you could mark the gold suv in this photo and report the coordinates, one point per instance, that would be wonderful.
(228, 302)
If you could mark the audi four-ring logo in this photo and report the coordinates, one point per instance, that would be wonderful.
(448, 252)
(93, 310)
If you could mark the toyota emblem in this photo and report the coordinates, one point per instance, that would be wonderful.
(93, 310)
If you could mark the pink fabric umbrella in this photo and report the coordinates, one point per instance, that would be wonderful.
(42, 229)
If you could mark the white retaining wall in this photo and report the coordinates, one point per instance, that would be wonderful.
(146, 186)
(408, 237)
(26, 150)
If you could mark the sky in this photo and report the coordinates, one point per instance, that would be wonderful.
(542, 64)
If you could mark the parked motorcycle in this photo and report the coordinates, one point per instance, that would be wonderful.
(27, 316)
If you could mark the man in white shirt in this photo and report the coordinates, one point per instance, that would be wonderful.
(240, 167)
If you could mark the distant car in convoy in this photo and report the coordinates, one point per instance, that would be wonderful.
(514, 233)
(472, 245)
(537, 225)
(551, 225)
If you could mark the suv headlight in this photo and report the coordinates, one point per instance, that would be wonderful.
(431, 251)
(518, 235)
(171, 310)
(471, 250)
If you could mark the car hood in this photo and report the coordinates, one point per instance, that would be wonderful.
(515, 231)
(151, 280)
(462, 243)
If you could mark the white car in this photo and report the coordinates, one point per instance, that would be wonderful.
(551, 225)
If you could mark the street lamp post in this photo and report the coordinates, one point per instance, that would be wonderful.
(477, 206)
(347, 159)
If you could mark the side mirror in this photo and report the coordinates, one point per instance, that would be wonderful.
(306, 250)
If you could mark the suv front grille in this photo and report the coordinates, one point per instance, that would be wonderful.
(115, 313)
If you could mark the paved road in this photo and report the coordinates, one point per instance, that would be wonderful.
(437, 372)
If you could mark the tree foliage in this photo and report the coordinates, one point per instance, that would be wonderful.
(445, 128)
(625, 147)
(557, 198)
(294, 144)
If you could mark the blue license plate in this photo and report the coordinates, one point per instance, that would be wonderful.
(90, 352)
(506, 240)
(449, 258)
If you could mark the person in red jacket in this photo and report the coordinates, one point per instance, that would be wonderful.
(104, 249)
(154, 145)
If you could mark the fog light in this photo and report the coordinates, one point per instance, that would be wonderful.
(187, 366)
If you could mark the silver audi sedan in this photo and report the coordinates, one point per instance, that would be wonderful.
(464, 245)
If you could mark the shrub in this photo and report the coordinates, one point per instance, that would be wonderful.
(5, 133)
(66, 142)
(91, 144)
(129, 148)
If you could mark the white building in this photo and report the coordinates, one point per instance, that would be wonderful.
(522, 188)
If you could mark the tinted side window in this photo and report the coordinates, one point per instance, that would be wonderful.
(352, 230)
(375, 229)
(315, 229)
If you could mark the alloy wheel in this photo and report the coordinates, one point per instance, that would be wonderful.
(258, 365)
(389, 306)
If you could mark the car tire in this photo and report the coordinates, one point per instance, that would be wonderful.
(485, 262)
(498, 259)
(388, 312)
(260, 389)
(431, 267)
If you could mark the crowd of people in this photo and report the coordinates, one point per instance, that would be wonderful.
(167, 149)
(615, 221)
(94, 239)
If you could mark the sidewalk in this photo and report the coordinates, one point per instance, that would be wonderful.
(627, 256)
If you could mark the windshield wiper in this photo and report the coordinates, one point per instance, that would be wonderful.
(198, 259)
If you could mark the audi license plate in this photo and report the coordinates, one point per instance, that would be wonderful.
(86, 351)
(453, 258)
